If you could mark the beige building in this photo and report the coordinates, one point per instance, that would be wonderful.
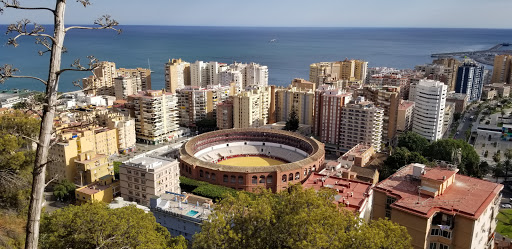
(177, 75)
(327, 118)
(460, 100)
(196, 103)
(502, 70)
(449, 110)
(298, 99)
(90, 167)
(125, 127)
(347, 70)
(444, 70)
(251, 108)
(225, 114)
(361, 123)
(73, 141)
(143, 74)
(156, 116)
(387, 98)
(102, 80)
(405, 114)
(145, 177)
(440, 208)
(303, 84)
(125, 86)
(496, 89)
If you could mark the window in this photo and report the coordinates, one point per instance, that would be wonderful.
(233, 179)
(200, 173)
(433, 246)
(305, 172)
(269, 179)
(254, 179)
(240, 180)
(284, 178)
(128, 171)
(213, 176)
(290, 177)
(207, 175)
(143, 174)
(262, 179)
(297, 176)
(225, 178)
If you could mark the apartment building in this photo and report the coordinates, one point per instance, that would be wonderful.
(156, 116)
(255, 75)
(298, 99)
(470, 80)
(440, 208)
(143, 74)
(72, 142)
(145, 177)
(502, 70)
(225, 114)
(103, 190)
(303, 84)
(391, 79)
(177, 75)
(449, 110)
(327, 118)
(90, 167)
(196, 104)
(251, 108)
(429, 97)
(361, 123)
(125, 86)
(388, 98)
(460, 100)
(102, 80)
(444, 70)
(348, 70)
(405, 115)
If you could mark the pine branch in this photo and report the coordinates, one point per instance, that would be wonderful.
(104, 22)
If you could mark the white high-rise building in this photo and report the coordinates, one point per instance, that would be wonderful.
(198, 73)
(255, 75)
(429, 97)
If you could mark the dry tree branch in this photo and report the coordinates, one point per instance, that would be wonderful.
(22, 28)
(7, 71)
(77, 66)
(15, 4)
(104, 22)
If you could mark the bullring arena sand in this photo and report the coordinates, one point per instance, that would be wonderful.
(251, 161)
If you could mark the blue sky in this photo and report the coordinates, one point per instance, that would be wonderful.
(284, 13)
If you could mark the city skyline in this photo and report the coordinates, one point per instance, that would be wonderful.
(371, 13)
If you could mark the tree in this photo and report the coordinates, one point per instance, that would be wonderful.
(400, 157)
(64, 191)
(116, 169)
(447, 150)
(94, 225)
(53, 44)
(498, 171)
(508, 162)
(292, 124)
(413, 142)
(497, 157)
(297, 218)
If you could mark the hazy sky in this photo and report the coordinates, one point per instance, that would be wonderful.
(301, 13)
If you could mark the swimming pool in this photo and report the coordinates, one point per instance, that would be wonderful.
(191, 213)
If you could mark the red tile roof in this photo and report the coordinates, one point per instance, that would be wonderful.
(353, 192)
(438, 174)
(466, 196)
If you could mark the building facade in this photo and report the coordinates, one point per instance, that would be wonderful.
(439, 208)
(102, 82)
(429, 97)
(251, 108)
(156, 116)
(502, 70)
(143, 73)
(145, 177)
(361, 123)
(405, 115)
(196, 104)
(470, 80)
(293, 98)
(225, 114)
(177, 75)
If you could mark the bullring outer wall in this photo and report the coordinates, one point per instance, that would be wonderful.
(275, 177)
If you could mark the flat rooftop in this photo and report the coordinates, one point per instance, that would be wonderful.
(466, 196)
(352, 194)
(148, 162)
(174, 204)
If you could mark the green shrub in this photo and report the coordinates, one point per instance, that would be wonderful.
(189, 185)
(214, 192)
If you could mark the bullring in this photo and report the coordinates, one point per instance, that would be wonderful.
(285, 157)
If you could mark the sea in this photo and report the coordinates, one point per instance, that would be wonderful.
(287, 52)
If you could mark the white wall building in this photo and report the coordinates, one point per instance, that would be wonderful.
(430, 99)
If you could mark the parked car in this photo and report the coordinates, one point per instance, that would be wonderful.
(506, 206)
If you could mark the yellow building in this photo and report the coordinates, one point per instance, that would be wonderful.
(104, 190)
(440, 208)
(102, 82)
(73, 141)
(251, 108)
(91, 166)
(143, 73)
(177, 75)
(502, 70)
(301, 100)
(351, 70)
